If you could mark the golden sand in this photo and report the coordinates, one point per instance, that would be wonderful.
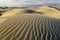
(30, 27)
(48, 11)
(12, 12)
(17, 25)
(2, 20)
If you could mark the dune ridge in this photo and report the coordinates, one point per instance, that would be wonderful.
(15, 12)
(48, 11)
(45, 10)
(30, 27)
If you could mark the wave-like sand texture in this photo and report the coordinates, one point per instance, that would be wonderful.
(30, 27)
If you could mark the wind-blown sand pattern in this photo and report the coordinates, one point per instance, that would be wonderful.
(30, 27)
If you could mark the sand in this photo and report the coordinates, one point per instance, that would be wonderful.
(45, 10)
(30, 27)
(17, 11)
(48, 11)
(13, 12)
(18, 24)
(2, 20)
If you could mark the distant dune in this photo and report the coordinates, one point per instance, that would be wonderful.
(45, 10)
(30, 27)
(12, 12)
(57, 6)
(3, 10)
(17, 11)
(48, 11)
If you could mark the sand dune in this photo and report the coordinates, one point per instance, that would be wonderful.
(17, 11)
(2, 10)
(12, 12)
(30, 24)
(45, 10)
(30, 27)
(51, 12)
(48, 11)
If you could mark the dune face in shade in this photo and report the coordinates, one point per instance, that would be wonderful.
(30, 27)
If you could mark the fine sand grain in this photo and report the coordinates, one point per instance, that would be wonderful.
(30, 27)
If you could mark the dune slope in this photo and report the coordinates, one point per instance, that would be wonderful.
(13, 12)
(30, 27)
(48, 11)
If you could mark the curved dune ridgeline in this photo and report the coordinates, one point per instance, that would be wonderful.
(45, 10)
(48, 11)
(30, 27)
(12, 12)
(17, 11)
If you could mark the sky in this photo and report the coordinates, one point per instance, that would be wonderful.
(26, 2)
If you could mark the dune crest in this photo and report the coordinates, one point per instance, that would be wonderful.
(48, 11)
(45, 10)
(12, 12)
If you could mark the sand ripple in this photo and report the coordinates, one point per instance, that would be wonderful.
(30, 27)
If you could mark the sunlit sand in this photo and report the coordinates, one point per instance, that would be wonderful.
(12, 12)
(17, 24)
(50, 12)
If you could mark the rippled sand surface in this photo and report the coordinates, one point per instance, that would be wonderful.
(30, 27)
